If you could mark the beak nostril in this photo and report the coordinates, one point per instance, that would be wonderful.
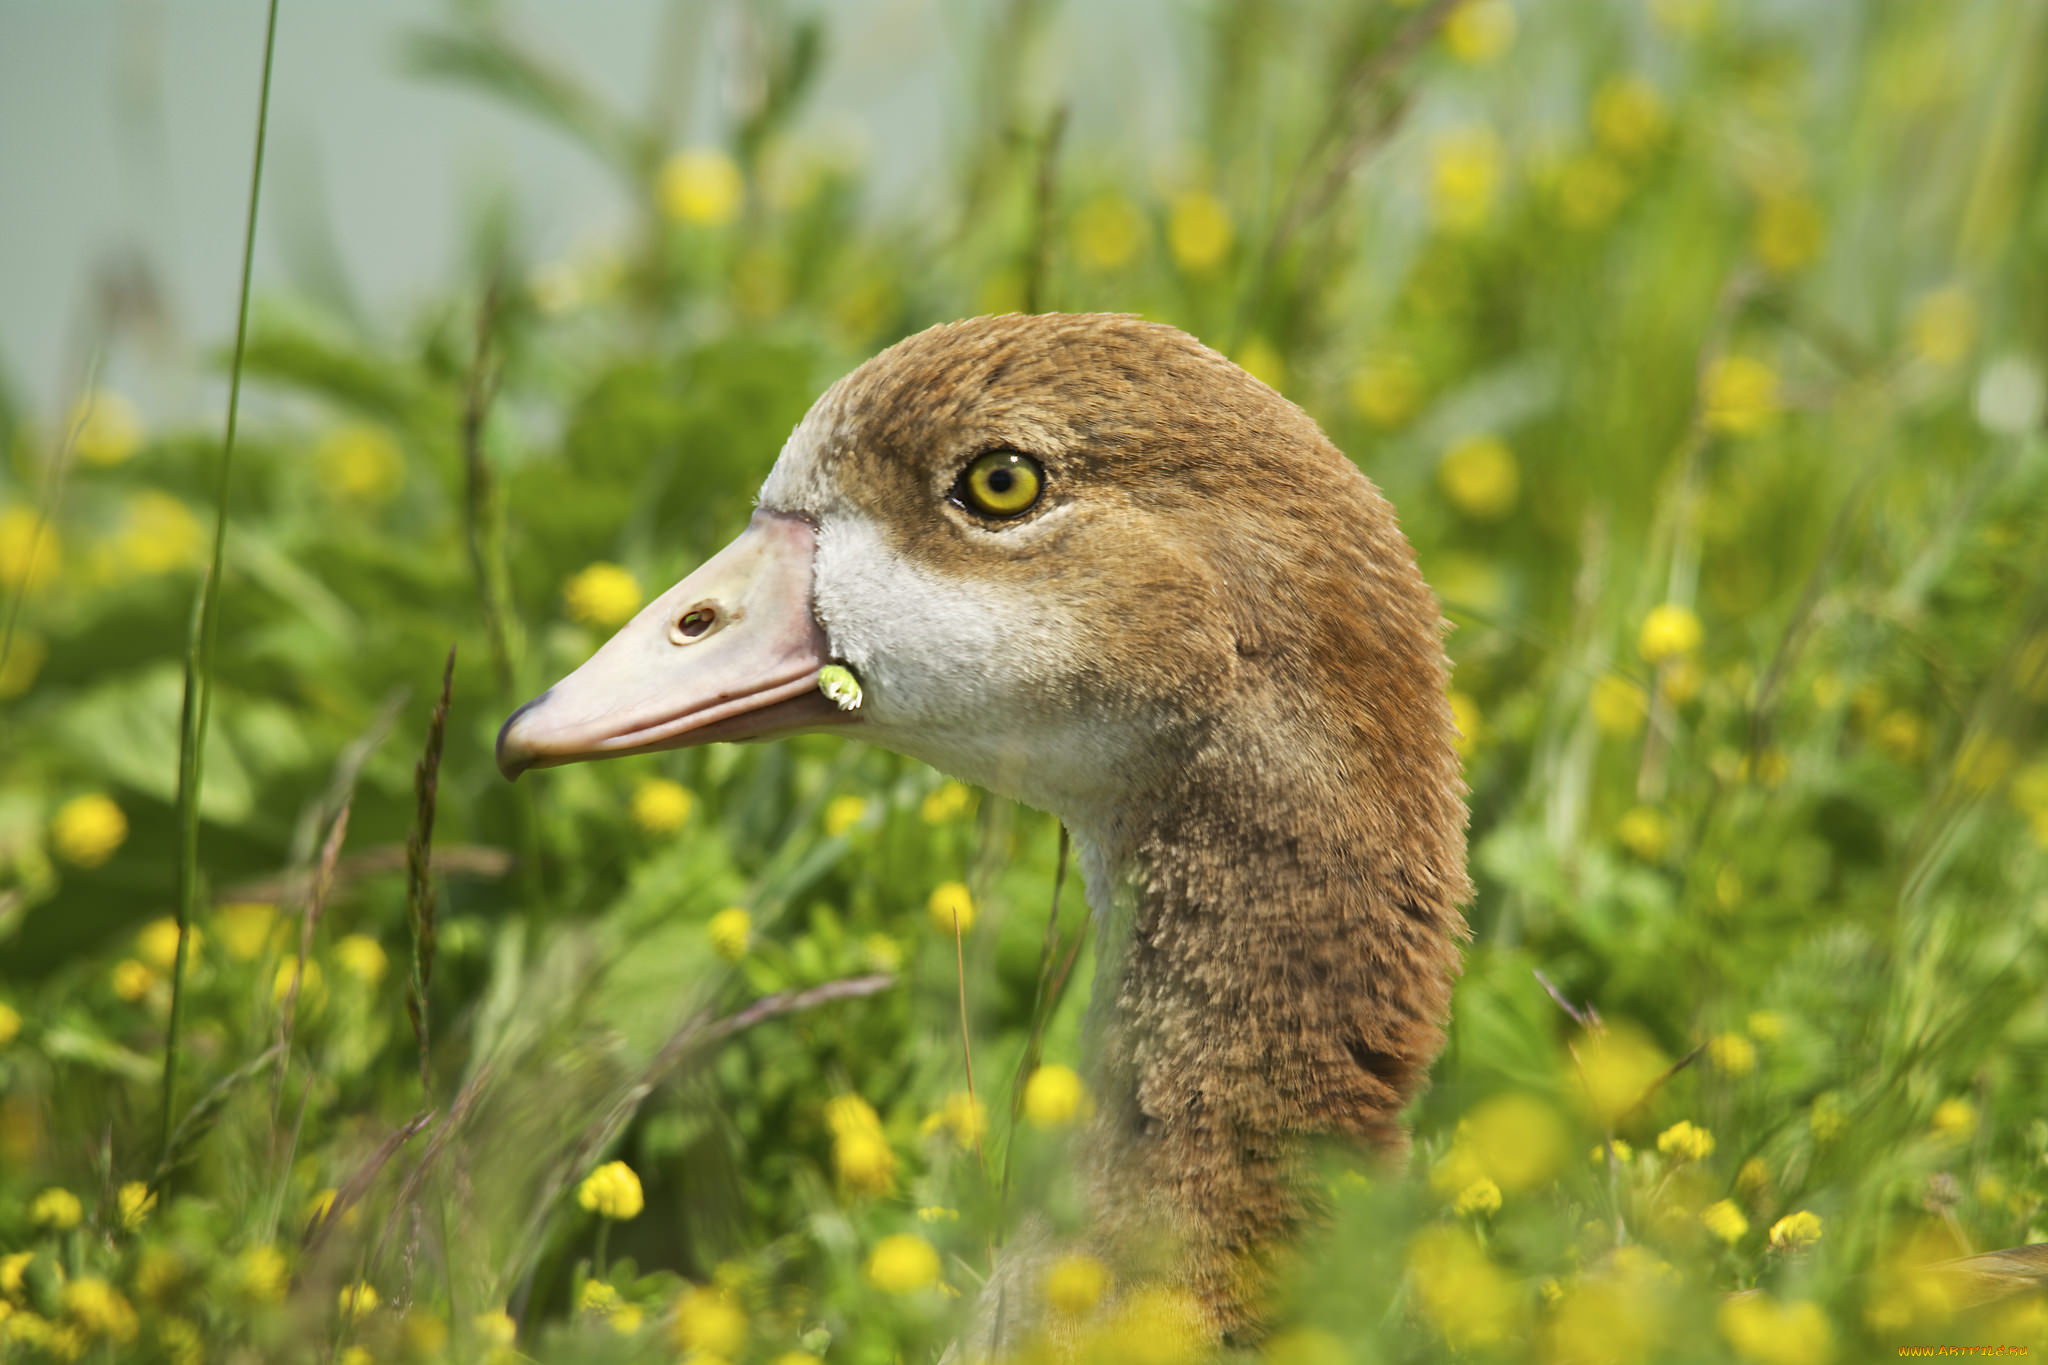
(695, 623)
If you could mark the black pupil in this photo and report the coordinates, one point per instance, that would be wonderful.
(999, 480)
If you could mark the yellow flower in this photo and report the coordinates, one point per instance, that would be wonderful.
(903, 1264)
(1955, 1119)
(10, 1023)
(599, 1299)
(56, 1208)
(1733, 1054)
(1480, 477)
(1464, 175)
(1629, 117)
(729, 930)
(1054, 1097)
(1795, 1230)
(133, 979)
(842, 813)
(1646, 832)
(1789, 233)
(181, 1341)
(1943, 326)
(108, 428)
(963, 1115)
(359, 462)
(797, 1358)
(1515, 1141)
(1479, 31)
(1767, 1025)
(1623, 1153)
(1725, 1221)
(1076, 1283)
(160, 534)
(25, 658)
(1686, 1141)
(261, 1274)
(1465, 716)
(851, 1114)
(1387, 388)
(321, 1205)
(708, 1320)
(865, 1162)
(362, 957)
(157, 942)
(700, 185)
(1481, 1197)
(100, 1310)
(13, 1267)
(1462, 1293)
(1590, 190)
(948, 801)
(495, 1328)
(1261, 360)
(1108, 230)
(1754, 1177)
(660, 806)
(948, 905)
(1826, 1118)
(1619, 705)
(884, 954)
(87, 830)
(602, 595)
(358, 1300)
(312, 991)
(1685, 18)
(1198, 231)
(30, 551)
(937, 1213)
(612, 1191)
(135, 1200)
(1617, 1068)
(245, 928)
(1669, 632)
(1740, 396)
(1901, 735)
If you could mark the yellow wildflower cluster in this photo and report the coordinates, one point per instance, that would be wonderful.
(861, 1154)
(260, 1273)
(362, 957)
(134, 1201)
(1732, 1054)
(842, 813)
(709, 1321)
(661, 806)
(1198, 231)
(1108, 231)
(1669, 632)
(26, 657)
(612, 1191)
(1645, 831)
(158, 534)
(601, 1301)
(358, 1300)
(1466, 1298)
(948, 801)
(1790, 233)
(1468, 722)
(903, 1264)
(1617, 1067)
(245, 927)
(1480, 1199)
(1055, 1097)
(1076, 1283)
(1955, 1119)
(1725, 1221)
(1478, 32)
(312, 989)
(359, 462)
(56, 1208)
(87, 829)
(950, 906)
(1480, 477)
(10, 1023)
(963, 1116)
(1465, 170)
(1386, 389)
(1739, 396)
(730, 930)
(1686, 1141)
(1260, 359)
(700, 186)
(1795, 1230)
(1629, 117)
(602, 595)
(99, 1310)
(1619, 705)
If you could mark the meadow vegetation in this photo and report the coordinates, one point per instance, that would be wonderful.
(1699, 343)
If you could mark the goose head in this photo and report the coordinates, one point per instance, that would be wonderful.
(1061, 553)
(1087, 562)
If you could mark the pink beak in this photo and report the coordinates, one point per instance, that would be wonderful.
(732, 652)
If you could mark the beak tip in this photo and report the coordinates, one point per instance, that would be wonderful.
(514, 754)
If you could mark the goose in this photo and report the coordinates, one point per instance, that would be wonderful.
(1086, 562)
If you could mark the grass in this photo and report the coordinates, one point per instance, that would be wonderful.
(1693, 344)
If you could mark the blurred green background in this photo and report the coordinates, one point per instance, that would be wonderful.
(1698, 342)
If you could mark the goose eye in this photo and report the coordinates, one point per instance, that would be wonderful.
(1002, 483)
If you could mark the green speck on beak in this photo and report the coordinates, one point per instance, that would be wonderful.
(837, 682)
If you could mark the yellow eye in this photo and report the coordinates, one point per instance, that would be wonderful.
(1002, 483)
